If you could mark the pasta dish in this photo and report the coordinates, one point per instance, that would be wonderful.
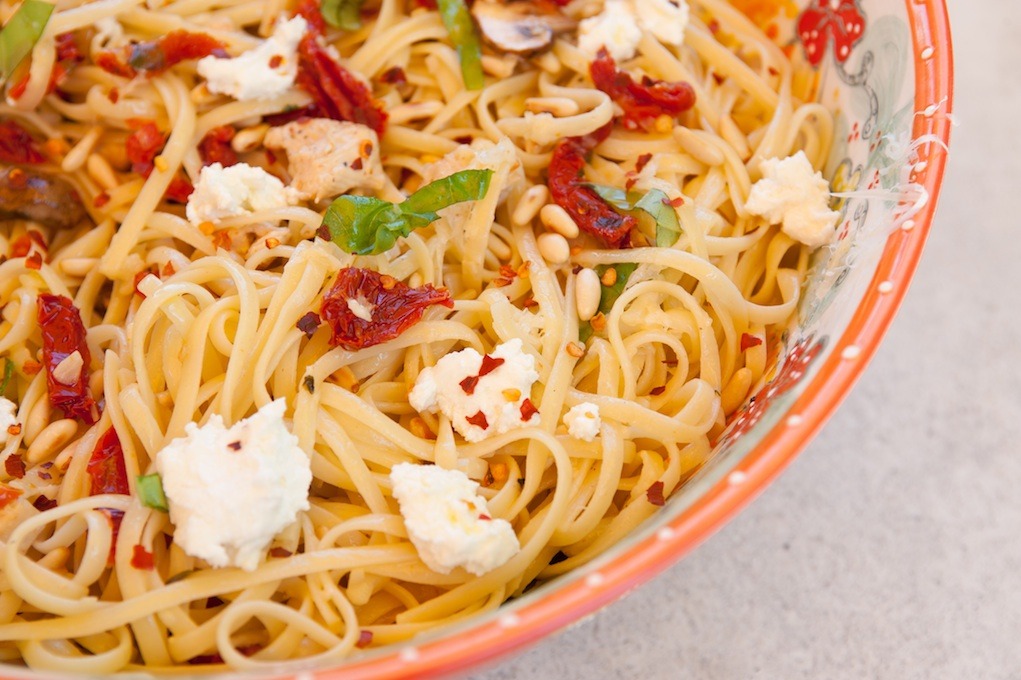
(327, 324)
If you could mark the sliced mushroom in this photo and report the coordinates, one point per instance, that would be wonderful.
(26, 194)
(520, 26)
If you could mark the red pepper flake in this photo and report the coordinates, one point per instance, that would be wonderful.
(528, 410)
(215, 147)
(143, 145)
(674, 202)
(42, 503)
(14, 430)
(275, 61)
(31, 367)
(479, 420)
(642, 161)
(719, 79)
(490, 364)
(34, 261)
(567, 187)
(106, 466)
(179, 190)
(17, 145)
(656, 391)
(101, 199)
(394, 75)
(22, 245)
(308, 324)
(748, 341)
(8, 495)
(279, 552)
(507, 271)
(654, 494)
(396, 307)
(15, 466)
(336, 92)
(113, 95)
(156, 56)
(485, 518)
(529, 302)
(111, 63)
(234, 446)
(356, 164)
(469, 384)
(142, 558)
(168, 270)
(364, 639)
(64, 334)
(642, 102)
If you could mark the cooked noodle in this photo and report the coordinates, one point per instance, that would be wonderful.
(212, 330)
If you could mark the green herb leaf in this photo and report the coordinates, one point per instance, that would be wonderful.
(655, 204)
(458, 20)
(21, 34)
(150, 492)
(8, 372)
(609, 294)
(363, 225)
(345, 14)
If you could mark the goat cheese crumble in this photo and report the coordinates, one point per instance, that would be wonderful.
(792, 193)
(583, 421)
(263, 72)
(236, 190)
(448, 523)
(481, 395)
(619, 26)
(327, 158)
(8, 417)
(232, 489)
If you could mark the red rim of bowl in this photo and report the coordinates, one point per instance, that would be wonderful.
(497, 636)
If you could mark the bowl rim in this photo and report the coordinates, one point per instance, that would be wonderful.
(498, 636)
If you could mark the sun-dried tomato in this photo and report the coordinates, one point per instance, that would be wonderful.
(155, 56)
(142, 558)
(64, 334)
(7, 495)
(44, 503)
(17, 146)
(310, 12)
(478, 420)
(337, 93)
(143, 145)
(106, 466)
(642, 102)
(567, 187)
(179, 190)
(395, 307)
(215, 146)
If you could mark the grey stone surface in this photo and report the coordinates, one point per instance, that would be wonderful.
(892, 547)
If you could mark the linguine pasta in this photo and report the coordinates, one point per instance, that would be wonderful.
(185, 319)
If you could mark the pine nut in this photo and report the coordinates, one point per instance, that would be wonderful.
(50, 440)
(587, 292)
(37, 420)
(100, 170)
(548, 62)
(733, 136)
(558, 106)
(529, 205)
(249, 138)
(554, 248)
(556, 219)
(735, 391)
(697, 147)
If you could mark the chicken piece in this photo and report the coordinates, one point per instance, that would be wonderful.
(327, 158)
(30, 195)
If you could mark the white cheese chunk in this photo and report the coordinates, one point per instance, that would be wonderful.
(236, 190)
(583, 421)
(665, 19)
(264, 72)
(498, 396)
(615, 28)
(793, 194)
(231, 490)
(8, 417)
(327, 158)
(448, 523)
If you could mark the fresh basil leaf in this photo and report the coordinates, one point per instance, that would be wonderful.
(345, 14)
(21, 33)
(609, 294)
(461, 28)
(8, 372)
(657, 205)
(150, 492)
(363, 225)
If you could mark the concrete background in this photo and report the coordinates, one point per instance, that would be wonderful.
(892, 547)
